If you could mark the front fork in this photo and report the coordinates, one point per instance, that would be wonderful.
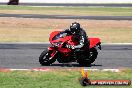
(99, 46)
(54, 52)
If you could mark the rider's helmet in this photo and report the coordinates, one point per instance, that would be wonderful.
(75, 28)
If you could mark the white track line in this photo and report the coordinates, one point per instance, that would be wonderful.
(49, 43)
(111, 70)
(47, 69)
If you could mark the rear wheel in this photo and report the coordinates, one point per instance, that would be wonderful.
(84, 62)
(92, 56)
(45, 58)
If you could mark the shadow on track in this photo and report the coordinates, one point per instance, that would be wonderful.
(73, 65)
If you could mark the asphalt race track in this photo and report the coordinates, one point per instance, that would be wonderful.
(25, 56)
(67, 17)
(74, 4)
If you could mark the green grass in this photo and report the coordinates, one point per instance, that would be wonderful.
(114, 11)
(56, 79)
(65, 8)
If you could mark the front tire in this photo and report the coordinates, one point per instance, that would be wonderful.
(44, 58)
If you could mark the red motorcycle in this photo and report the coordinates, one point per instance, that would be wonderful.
(60, 51)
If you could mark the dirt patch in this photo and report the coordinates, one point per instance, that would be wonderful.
(62, 23)
(38, 30)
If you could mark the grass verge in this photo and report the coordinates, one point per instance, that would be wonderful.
(93, 11)
(57, 79)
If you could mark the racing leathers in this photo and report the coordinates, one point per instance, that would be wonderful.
(81, 37)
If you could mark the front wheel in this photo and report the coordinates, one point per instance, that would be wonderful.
(45, 58)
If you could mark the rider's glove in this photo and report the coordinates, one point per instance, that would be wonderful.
(78, 46)
(70, 46)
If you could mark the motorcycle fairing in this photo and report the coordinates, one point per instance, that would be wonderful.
(94, 42)
(54, 33)
(55, 38)
(59, 36)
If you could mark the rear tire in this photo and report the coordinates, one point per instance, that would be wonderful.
(93, 54)
(44, 58)
(92, 57)
(84, 63)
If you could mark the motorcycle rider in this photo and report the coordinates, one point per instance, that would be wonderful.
(79, 34)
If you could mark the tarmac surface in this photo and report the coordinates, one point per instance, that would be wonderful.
(67, 17)
(25, 56)
(74, 4)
